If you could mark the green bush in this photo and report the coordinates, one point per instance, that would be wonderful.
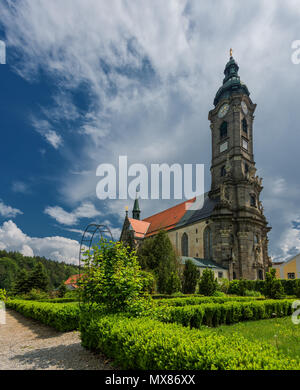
(208, 285)
(148, 282)
(112, 278)
(149, 345)
(273, 287)
(63, 317)
(297, 288)
(3, 295)
(193, 300)
(190, 277)
(223, 285)
(252, 293)
(62, 289)
(215, 314)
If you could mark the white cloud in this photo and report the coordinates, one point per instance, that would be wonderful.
(20, 187)
(43, 127)
(85, 210)
(8, 211)
(56, 248)
(151, 69)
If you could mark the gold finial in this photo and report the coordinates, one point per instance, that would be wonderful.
(126, 208)
(230, 52)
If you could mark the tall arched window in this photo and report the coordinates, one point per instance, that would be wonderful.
(244, 125)
(223, 171)
(207, 243)
(223, 130)
(185, 245)
(252, 200)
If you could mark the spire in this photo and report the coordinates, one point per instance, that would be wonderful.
(231, 82)
(136, 209)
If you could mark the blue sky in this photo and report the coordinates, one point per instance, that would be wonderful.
(87, 81)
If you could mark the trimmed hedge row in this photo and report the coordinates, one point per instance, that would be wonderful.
(214, 314)
(63, 317)
(144, 343)
(201, 300)
(239, 286)
(58, 300)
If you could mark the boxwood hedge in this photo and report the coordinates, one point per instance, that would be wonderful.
(200, 300)
(215, 314)
(147, 344)
(63, 317)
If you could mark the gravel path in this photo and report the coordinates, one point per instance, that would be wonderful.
(25, 344)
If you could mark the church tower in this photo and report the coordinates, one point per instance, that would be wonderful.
(238, 225)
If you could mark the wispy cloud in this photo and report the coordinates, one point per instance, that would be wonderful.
(8, 211)
(20, 187)
(43, 127)
(150, 71)
(85, 210)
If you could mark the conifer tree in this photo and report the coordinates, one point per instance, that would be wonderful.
(38, 278)
(157, 254)
(190, 278)
(208, 285)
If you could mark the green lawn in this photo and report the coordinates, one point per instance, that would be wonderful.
(280, 332)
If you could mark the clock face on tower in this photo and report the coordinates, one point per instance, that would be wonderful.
(244, 108)
(223, 110)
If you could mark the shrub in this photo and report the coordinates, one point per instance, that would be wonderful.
(112, 277)
(208, 285)
(63, 317)
(198, 300)
(148, 282)
(297, 288)
(62, 289)
(173, 284)
(252, 293)
(3, 295)
(223, 285)
(190, 277)
(273, 287)
(149, 345)
(215, 314)
(156, 254)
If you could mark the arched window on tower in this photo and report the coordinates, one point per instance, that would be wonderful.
(223, 171)
(223, 130)
(207, 243)
(184, 245)
(252, 200)
(245, 125)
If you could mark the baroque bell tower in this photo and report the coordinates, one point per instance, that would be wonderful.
(238, 224)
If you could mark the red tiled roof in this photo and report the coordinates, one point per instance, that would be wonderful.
(140, 227)
(73, 279)
(167, 219)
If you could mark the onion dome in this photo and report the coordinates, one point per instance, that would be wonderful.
(232, 82)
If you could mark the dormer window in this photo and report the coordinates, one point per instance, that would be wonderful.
(223, 130)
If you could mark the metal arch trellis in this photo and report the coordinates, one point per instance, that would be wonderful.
(88, 236)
